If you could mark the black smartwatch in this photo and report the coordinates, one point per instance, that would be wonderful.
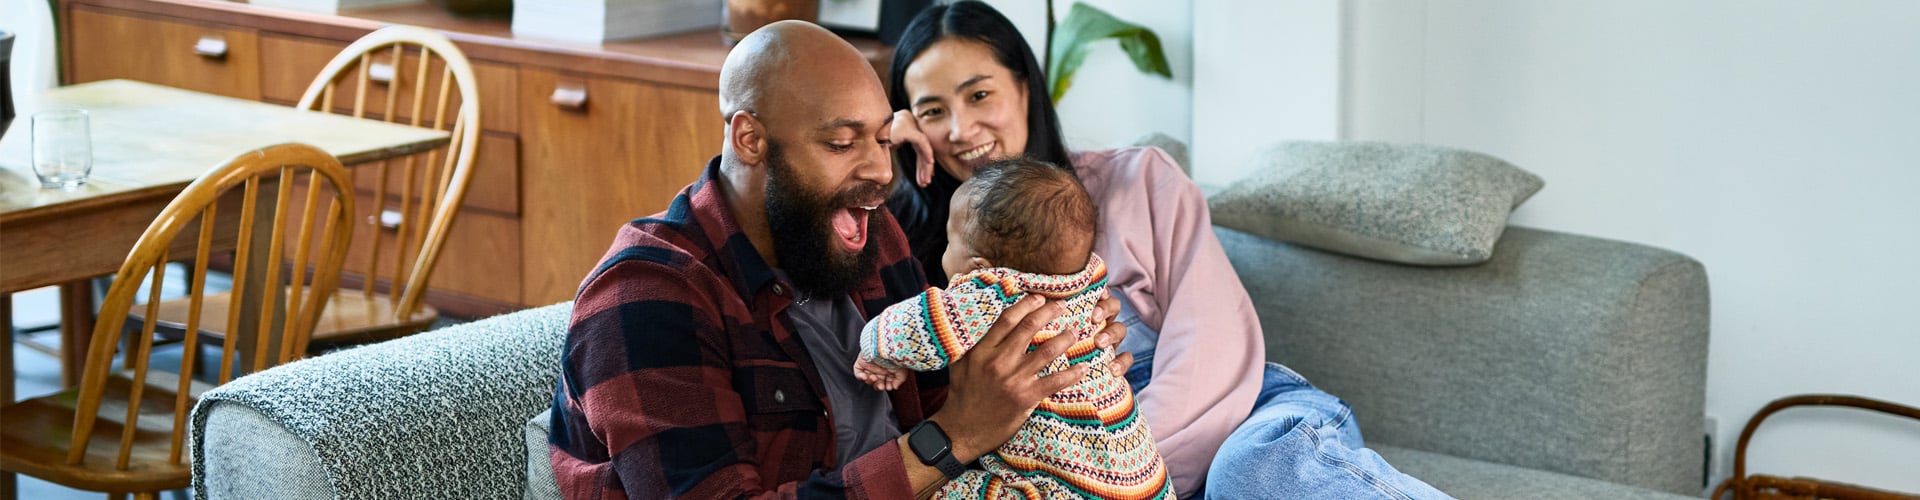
(931, 445)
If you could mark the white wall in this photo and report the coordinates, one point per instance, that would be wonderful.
(1111, 103)
(31, 22)
(1263, 71)
(1777, 141)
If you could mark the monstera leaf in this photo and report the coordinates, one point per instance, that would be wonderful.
(1084, 25)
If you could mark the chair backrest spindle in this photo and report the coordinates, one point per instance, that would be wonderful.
(426, 201)
(199, 204)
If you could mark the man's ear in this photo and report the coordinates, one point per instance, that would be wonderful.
(747, 136)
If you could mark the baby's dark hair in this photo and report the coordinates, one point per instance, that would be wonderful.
(1031, 216)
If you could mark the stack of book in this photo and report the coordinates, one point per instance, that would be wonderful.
(602, 20)
(329, 6)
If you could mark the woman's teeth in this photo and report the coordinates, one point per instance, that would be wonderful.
(971, 154)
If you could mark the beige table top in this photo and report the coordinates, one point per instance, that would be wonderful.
(152, 140)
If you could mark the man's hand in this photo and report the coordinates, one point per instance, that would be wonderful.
(995, 387)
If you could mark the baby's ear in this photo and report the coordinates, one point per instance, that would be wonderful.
(979, 263)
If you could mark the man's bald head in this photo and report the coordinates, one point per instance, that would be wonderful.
(786, 67)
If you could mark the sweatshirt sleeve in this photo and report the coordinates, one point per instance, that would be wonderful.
(1163, 255)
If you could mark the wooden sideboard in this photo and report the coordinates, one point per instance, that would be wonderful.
(578, 138)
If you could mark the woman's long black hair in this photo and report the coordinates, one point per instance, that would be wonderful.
(922, 211)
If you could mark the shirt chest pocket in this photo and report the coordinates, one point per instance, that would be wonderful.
(776, 396)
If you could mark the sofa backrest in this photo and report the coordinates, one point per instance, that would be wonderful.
(434, 415)
(1566, 353)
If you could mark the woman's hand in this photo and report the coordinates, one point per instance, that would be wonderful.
(906, 131)
(1108, 310)
(996, 385)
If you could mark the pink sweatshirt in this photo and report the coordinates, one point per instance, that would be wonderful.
(1157, 237)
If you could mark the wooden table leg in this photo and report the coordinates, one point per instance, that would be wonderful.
(6, 351)
(9, 482)
(76, 329)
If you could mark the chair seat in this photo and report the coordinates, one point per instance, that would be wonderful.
(38, 431)
(350, 318)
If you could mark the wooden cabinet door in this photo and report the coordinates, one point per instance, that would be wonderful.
(216, 59)
(622, 154)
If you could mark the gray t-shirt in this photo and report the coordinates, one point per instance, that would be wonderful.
(862, 416)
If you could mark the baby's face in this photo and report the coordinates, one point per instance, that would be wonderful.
(959, 256)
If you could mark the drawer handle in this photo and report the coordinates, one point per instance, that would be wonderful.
(570, 97)
(380, 72)
(389, 219)
(211, 47)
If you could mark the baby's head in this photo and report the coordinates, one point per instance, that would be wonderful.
(1027, 215)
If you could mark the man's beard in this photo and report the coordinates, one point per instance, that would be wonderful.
(801, 222)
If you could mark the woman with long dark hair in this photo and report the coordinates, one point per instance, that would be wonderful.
(967, 90)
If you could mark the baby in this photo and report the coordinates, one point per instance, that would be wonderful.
(1018, 227)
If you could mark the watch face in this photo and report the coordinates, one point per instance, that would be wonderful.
(929, 442)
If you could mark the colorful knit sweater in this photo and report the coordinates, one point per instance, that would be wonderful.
(1086, 441)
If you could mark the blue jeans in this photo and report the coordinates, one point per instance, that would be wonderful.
(1300, 442)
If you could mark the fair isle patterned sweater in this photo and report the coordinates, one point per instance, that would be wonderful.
(1087, 441)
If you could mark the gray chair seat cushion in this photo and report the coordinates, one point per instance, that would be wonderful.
(1469, 479)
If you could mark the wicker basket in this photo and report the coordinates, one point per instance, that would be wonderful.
(1765, 487)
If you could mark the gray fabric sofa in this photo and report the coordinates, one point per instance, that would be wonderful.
(1566, 367)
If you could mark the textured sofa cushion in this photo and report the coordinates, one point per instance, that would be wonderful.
(1466, 478)
(434, 415)
(541, 484)
(1407, 203)
(1566, 353)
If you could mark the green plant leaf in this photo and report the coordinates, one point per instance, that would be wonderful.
(1085, 25)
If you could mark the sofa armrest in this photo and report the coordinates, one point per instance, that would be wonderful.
(433, 415)
(1565, 353)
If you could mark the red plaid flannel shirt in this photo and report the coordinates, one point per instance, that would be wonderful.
(683, 377)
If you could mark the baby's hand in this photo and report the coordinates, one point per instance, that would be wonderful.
(877, 376)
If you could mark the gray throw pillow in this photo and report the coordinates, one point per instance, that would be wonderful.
(1408, 203)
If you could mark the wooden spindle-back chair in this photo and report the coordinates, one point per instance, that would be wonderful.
(409, 76)
(121, 430)
(430, 186)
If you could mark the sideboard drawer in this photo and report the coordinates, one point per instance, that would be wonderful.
(212, 58)
(495, 182)
(481, 257)
(297, 61)
(609, 150)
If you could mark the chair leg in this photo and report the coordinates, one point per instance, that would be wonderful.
(147, 495)
(116, 496)
(9, 486)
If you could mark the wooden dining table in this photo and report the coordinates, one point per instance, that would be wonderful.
(149, 142)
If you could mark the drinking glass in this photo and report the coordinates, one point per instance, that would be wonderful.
(62, 148)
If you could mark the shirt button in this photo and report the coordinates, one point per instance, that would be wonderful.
(779, 290)
(779, 397)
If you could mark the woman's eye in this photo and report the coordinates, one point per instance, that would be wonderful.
(979, 95)
(839, 147)
(932, 113)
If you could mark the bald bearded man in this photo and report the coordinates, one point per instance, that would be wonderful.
(710, 351)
